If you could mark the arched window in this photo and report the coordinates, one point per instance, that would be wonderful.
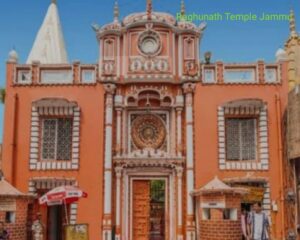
(189, 52)
(109, 49)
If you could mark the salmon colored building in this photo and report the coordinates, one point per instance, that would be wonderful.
(143, 130)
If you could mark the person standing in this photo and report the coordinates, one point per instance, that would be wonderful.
(244, 220)
(3, 232)
(37, 228)
(258, 224)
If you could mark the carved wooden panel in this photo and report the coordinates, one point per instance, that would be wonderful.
(141, 210)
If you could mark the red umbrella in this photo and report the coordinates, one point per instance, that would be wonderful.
(62, 195)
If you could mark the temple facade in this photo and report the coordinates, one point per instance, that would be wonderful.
(145, 129)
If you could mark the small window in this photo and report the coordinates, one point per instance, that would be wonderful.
(56, 76)
(206, 214)
(209, 76)
(24, 76)
(271, 75)
(88, 76)
(189, 49)
(10, 217)
(57, 139)
(109, 49)
(230, 214)
(239, 76)
(241, 139)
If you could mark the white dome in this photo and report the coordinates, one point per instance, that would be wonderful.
(13, 56)
(281, 55)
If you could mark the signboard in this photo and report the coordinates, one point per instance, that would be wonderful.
(213, 205)
(77, 232)
(8, 205)
(255, 194)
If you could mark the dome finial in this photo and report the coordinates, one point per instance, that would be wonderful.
(54, 1)
(13, 56)
(280, 55)
(292, 23)
(182, 8)
(116, 12)
(149, 9)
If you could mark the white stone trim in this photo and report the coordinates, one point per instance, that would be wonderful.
(263, 150)
(189, 89)
(129, 177)
(267, 203)
(180, 58)
(35, 163)
(73, 213)
(35, 184)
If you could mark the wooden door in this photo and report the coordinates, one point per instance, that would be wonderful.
(141, 210)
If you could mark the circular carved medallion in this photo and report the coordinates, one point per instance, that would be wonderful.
(149, 43)
(148, 131)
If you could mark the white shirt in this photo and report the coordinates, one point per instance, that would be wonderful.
(258, 227)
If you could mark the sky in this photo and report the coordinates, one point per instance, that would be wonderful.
(230, 41)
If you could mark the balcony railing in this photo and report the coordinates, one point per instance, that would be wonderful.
(55, 74)
(258, 73)
(217, 73)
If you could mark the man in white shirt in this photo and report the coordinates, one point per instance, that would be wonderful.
(258, 224)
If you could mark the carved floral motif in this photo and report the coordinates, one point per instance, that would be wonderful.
(108, 68)
(149, 65)
(148, 131)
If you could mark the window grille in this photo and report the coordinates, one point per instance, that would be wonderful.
(57, 139)
(241, 139)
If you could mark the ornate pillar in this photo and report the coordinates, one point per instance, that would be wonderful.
(118, 203)
(118, 106)
(179, 109)
(118, 147)
(189, 89)
(173, 145)
(179, 131)
(179, 172)
(107, 217)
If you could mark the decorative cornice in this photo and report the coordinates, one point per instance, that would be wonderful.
(132, 163)
(189, 88)
(109, 88)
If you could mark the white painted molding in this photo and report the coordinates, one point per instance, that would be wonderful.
(262, 162)
(35, 163)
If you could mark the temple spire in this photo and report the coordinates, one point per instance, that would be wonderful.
(149, 9)
(116, 12)
(49, 45)
(292, 24)
(182, 8)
